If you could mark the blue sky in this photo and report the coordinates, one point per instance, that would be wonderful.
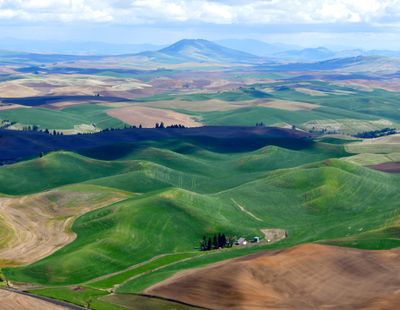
(342, 23)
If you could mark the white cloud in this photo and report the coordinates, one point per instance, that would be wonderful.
(55, 10)
(208, 11)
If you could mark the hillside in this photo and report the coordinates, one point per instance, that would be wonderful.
(188, 186)
(346, 64)
(304, 277)
(199, 51)
(129, 212)
(306, 55)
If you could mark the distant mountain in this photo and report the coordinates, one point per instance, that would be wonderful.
(386, 53)
(331, 64)
(73, 47)
(307, 54)
(199, 50)
(256, 47)
(349, 64)
(322, 53)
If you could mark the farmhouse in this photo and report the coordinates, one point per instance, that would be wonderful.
(241, 241)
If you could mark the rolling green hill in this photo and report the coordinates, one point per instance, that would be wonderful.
(182, 192)
(63, 119)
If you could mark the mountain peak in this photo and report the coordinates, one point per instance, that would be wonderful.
(200, 50)
(190, 43)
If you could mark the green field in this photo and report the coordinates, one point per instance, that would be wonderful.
(63, 119)
(341, 109)
(186, 192)
(181, 190)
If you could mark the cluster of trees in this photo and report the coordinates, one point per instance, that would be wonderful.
(125, 127)
(6, 123)
(318, 130)
(176, 126)
(36, 128)
(31, 128)
(161, 125)
(323, 131)
(54, 132)
(376, 133)
(261, 124)
(218, 241)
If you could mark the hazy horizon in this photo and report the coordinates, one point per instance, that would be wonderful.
(368, 24)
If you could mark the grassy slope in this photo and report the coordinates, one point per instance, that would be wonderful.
(314, 202)
(187, 192)
(54, 170)
(63, 119)
(134, 231)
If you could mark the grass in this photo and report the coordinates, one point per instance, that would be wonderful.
(81, 296)
(53, 170)
(343, 109)
(187, 191)
(334, 140)
(63, 119)
(134, 231)
(137, 302)
(366, 159)
(373, 148)
(109, 282)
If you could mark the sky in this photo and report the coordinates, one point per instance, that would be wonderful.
(368, 24)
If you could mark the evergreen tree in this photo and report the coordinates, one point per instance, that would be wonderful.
(209, 244)
(219, 238)
(215, 242)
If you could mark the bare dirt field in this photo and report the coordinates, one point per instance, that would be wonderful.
(393, 167)
(309, 276)
(206, 105)
(37, 225)
(148, 117)
(13, 89)
(14, 301)
(64, 85)
(221, 105)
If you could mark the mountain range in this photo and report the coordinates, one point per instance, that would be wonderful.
(239, 51)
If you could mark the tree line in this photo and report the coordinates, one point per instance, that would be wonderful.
(47, 131)
(376, 133)
(161, 125)
(217, 241)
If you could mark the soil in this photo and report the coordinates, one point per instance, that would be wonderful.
(15, 301)
(309, 276)
(148, 117)
(391, 167)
